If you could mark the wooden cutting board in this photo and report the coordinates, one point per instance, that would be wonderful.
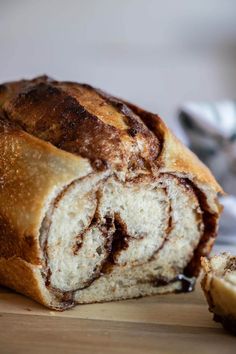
(158, 324)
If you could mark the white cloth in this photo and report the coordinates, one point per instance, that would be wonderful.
(211, 132)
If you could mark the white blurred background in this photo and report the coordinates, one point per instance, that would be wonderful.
(158, 54)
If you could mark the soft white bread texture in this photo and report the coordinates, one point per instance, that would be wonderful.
(219, 285)
(98, 200)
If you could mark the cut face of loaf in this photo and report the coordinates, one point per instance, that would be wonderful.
(98, 200)
(83, 227)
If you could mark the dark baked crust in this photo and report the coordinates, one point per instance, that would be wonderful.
(77, 119)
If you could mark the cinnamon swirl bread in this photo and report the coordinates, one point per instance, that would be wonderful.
(219, 286)
(98, 199)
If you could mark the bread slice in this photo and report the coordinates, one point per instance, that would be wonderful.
(98, 199)
(219, 286)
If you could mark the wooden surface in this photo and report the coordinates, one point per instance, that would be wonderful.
(159, 324)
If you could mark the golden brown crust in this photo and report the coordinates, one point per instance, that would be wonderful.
(53, 133)
(30, 170)
(23, 277)
(26, 278)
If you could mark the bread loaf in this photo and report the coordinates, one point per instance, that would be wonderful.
(98, 199)
(219, 286)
